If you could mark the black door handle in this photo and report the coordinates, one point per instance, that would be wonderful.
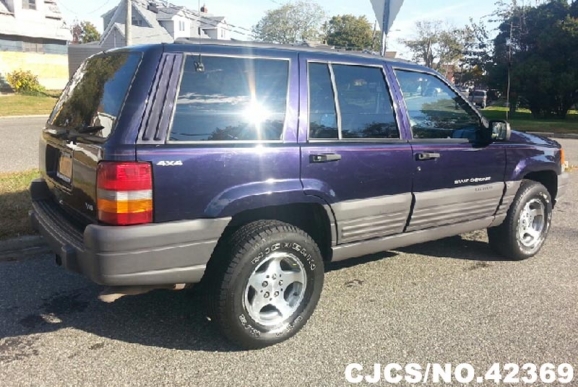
(325, 158)
(427, 156)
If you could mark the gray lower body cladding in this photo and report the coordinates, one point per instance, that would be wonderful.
(151, 254)
(371, 218)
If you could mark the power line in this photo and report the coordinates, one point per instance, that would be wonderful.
(102, 6)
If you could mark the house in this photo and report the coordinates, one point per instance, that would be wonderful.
(152, 22)
(34, 37)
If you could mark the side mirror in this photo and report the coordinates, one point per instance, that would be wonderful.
(500, 130)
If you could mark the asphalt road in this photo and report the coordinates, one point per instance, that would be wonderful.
(450, 301)
(19, 143)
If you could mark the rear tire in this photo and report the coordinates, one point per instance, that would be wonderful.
(526, 226)
(265, 283)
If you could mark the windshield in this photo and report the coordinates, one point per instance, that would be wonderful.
(95, 94)
(479, 93)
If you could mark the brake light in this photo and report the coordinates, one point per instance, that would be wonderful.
(124, 192)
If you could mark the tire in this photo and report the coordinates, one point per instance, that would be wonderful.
(527, 224)
(265, 282)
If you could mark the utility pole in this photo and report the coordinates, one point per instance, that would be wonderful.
(385, 31)
(510, 43)
(128, 23)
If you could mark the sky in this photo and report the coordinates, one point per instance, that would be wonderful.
(246, 13)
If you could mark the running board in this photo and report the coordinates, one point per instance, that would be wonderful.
(372, 246)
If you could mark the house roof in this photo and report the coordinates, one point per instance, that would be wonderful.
(218, 19)
(112, 10)
(50, 29)
(4, 8)
(168, 13)
(145, 35)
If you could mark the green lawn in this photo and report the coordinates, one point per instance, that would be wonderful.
(23, 105)
(523, 120)
(15, 203)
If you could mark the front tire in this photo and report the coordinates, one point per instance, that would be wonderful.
(527, 224)
(266, 280)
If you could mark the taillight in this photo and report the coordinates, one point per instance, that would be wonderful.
(124, 192)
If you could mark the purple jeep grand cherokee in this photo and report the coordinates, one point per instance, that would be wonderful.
(246, 167)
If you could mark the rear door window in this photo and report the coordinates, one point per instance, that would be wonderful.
(96, 93)
(364, 108)
(231, 99)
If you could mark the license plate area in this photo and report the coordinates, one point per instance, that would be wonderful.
(64, 169)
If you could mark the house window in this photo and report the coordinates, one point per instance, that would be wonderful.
(32, 46)
(29, 4)
(136, 21)
(181, 25)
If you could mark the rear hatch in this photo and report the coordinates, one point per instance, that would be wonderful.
(81, 124)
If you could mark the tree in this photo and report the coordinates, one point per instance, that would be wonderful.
(351, 32)
(540, 47)
(477, 59)
(84, 32)
(435, 44)
(291, 23)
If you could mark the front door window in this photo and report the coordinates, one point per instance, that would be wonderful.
(435, 110)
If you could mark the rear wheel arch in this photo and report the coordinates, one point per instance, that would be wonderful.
(313, 218)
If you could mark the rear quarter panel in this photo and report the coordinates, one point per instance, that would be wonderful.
(221, 181)
(205, 179)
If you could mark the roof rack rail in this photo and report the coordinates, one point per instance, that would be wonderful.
(303, 46)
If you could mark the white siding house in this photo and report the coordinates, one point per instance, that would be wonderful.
(152, 22)
(34, 37)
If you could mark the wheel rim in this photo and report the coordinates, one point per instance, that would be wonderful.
(275, 289)
(532, 224)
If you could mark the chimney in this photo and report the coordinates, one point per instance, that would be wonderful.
(204, 9)
(152, 7)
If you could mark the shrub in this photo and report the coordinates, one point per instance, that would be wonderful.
(25, 82)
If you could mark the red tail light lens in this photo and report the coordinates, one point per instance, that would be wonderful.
(124, 193)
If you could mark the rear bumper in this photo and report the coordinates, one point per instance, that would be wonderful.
(151, 254)
(563, 181)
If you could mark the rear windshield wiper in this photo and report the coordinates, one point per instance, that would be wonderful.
(72, 134)
(89, 129)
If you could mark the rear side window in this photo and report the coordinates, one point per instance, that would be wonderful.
(231, 99)
(96, 93)
(365, 109)
(322, 112)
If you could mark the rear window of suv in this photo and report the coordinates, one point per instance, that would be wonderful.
(95, 94)
(231, 99)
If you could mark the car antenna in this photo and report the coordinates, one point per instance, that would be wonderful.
(199, 66)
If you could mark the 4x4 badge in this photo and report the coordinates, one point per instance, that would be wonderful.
(170, 163)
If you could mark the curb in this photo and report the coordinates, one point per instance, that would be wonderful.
(22, 247)
(31, 116)
(555, 135)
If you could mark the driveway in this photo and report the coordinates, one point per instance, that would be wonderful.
(19, 143)
(450, 301)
